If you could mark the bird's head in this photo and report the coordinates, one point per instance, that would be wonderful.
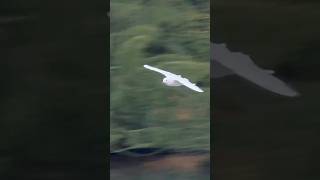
(165, 81)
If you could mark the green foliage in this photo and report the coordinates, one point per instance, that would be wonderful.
(169, 34)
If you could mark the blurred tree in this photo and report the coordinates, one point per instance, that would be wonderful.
(173, 35)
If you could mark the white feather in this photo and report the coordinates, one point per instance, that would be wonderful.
(172, 79)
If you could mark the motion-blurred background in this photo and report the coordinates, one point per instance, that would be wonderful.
(257, 134)
(147, 118)
(53, 90)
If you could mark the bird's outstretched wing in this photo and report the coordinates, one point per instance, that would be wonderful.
(165, 73)
(181, 80)
(241, 64)
(187, 83)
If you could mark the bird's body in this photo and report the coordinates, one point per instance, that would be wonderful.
(173, 79)
(171, 82)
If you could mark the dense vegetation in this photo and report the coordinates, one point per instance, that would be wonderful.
(169, 34)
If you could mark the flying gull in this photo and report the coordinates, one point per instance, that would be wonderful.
(173, 79)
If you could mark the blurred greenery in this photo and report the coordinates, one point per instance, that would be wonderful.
(172, 35)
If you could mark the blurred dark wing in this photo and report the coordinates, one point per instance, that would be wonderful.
(242, 65)
(220, 71)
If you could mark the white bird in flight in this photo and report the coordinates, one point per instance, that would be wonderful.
(173, 79)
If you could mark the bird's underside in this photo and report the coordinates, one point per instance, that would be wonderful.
(174, 83)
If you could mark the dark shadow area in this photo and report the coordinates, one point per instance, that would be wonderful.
(257, 134)
(53, 120)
